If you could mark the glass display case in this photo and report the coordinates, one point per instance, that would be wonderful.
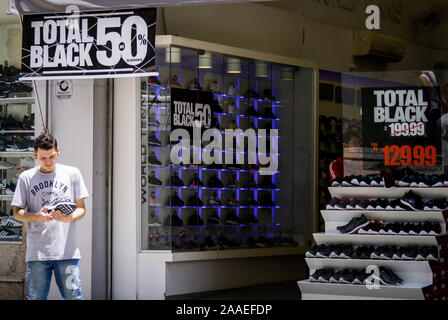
(248, 197)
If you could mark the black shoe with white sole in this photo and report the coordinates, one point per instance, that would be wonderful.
(354, 225)
(65, 208)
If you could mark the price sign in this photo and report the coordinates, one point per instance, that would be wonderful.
(399, 127)
(89, 45)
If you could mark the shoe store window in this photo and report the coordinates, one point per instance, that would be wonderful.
(16, 128)
(227, 157)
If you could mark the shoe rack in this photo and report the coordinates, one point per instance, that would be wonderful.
(18, 104)
(158, 101)
(422, 279)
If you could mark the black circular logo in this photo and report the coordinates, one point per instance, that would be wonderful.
(63, 85)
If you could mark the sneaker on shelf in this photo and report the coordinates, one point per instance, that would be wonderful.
(152, 140)
(154, 201)
(153, 181)
(175, 201)
(10, 189)
(250, 202)
(214, 220)
(213, 200)
(388, 178)
(195, 220)
(10, 222)
(196, 182)
(354, 225)
(10, 123)
(173, 220)
(209, 244)
(412, 200)
(6, 234)
(232, 201)
(5, 165)
(214, 182)
(153, 161)
(194, 201)
(232, 182)
(176, 181)
(153, 220)
(231, 218)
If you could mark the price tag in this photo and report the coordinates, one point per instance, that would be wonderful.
(399, 127)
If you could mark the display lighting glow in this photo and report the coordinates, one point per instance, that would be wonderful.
(172, 55)
(205, 60)
(261, 69)
(233, 65)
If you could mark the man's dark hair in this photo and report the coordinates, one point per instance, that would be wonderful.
(45, 141)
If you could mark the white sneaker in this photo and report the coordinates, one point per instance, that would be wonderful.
(154, 221)
(5, 165)
(154, 202)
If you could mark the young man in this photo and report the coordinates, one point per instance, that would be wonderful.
(51, 236)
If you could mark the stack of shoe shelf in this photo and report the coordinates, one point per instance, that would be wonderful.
(422, 278)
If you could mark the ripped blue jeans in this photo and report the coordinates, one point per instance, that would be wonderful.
(67, 275)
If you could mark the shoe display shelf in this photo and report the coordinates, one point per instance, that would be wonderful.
(19, 104)
(156, 123)
(422, 279)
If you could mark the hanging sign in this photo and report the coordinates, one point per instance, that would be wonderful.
(104, 44)
(400, 126)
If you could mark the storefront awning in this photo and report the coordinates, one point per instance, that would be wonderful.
(47, 6)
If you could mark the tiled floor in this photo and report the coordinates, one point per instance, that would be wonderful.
(276, 291)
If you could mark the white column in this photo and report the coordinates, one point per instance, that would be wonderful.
(125, 188)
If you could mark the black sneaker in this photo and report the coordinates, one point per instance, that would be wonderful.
(194, 201)
(336, 277)
(422, 254)
(376, 254)
(336, 251)
(433, 253)
(326, 274)
(359, 277)
(176, 181)
(342, 204)
(153, 181)
(382, 204)
(314, 277)
(195, 220)
(152, 140)
(412, 201)
(312, 253)
(323, 251)
(431, 229)
(153, 161)
(387, 253)
(173, 220)
(347, 276)
(175, 201)
(10, 123)
(388, 277)
(354, 225)
(346, 252)
(365, 252)
(409, 253)
(394, 228)
(214, 182)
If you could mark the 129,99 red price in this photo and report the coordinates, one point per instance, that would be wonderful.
(418, 156)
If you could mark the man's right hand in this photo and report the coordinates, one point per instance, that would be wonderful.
(44, 216)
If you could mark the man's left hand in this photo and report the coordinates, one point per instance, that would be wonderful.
(58, 216)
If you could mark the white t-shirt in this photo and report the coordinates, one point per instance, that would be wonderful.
(52, 240)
